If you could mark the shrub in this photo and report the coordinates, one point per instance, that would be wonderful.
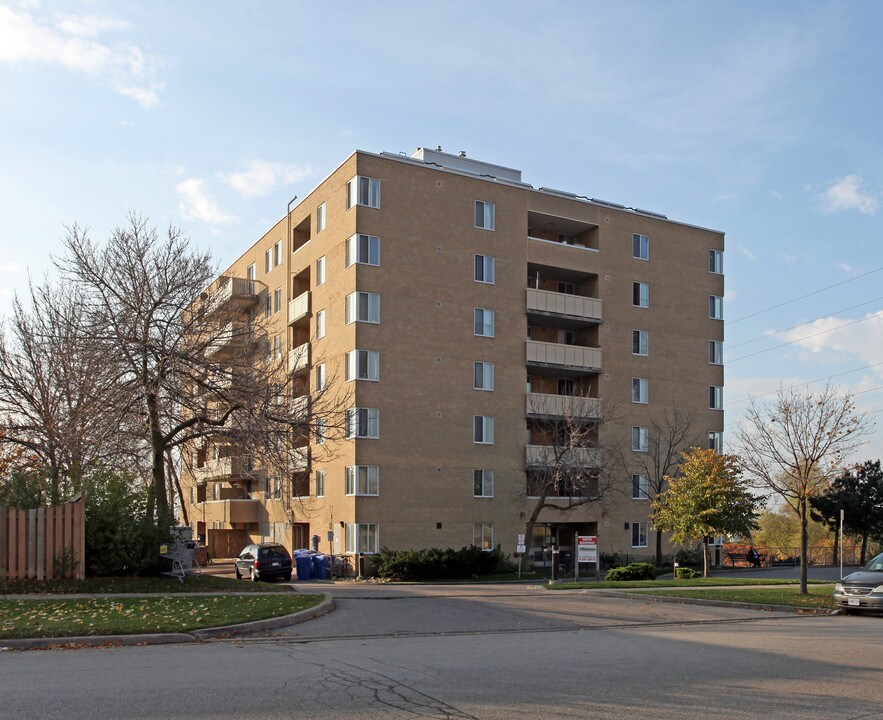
(635, 571)
(438, 564)
(688, 556)
(685, 573)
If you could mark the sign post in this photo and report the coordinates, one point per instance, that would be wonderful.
(520, 549)
(587, 552)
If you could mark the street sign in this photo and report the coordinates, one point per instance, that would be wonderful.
(520, 539)
(587, 548)
(520, 549)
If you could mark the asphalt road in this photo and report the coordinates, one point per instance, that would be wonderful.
(489, 652)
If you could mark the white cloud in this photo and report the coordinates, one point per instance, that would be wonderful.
(747, 253)
(26, 40)
(834, 336)
(197, 204)
(263, 176)
(10, 267)
(847, 267)
(728, 197)
(846, 194)
(776, 195)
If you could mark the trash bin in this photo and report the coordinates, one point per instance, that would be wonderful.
(304, 566)
(320, 567)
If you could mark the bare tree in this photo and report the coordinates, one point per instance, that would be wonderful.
(797, 444)
(565, 464)
(669, 435)
(57, 390)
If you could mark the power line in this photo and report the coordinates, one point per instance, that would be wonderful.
(803, 297)
(807, 322)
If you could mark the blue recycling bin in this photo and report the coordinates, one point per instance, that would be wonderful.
(320, 566)
(304, 566)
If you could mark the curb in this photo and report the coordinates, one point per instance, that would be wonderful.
(324, 607)
(681, 600)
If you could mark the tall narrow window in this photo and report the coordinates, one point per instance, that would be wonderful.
(363, 423)
(483, 536)
(362, 365)
(715, 307)
(320, 431)
(482, 430)
(362, 307)
(363, 480)
(640, 247)
(363, 191)
(640, 439)
(251, 274)
(639, 534)
(715, 397)
(277, 347)
(484, 215)
(484, 322)
(566, 387)
(716, 441)
(277, 253)
(640, 487)
(320, 483)
(483, 483)
(640, 294)
(640, 342)
(362, 538)
(268, 261)
(320, 377)
(716, 352)
(363, 249)
(277, 300)
(320, 271)
(640, 390)
(483, 376)
(715, 261)
(320, 324)
(484, 269)
(320, 218)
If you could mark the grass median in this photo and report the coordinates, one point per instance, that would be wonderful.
(819, 596)
(139, 585)
(694, 582)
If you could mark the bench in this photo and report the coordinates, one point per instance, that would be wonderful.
(743, 558)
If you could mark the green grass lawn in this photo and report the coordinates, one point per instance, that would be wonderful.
(140, 585)
(695, 582)
(65, 617)
(819, 595)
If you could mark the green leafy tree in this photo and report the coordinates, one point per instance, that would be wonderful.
(859, 493)
(707, 498)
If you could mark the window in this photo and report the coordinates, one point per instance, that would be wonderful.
(716, 352)
(268, 261)
(566, 288)
(277, 347)
(566, 386)
(640, 487)
(277, 300)
(320, 324)
(320, 483)
(715, 397)
(484, 215)
(362, 365)
(320, 431)
(482, 430)
(363, 249)
(320, 218)
(277, 253)
(363, 480)
(640, 390)
(716, 441)
(363, 191)
(639, 534)
(320, 377)
(640, 342)
(362, 307)
(482, 483)
(640, 247)
(362, 538)
(483, 376)
(715, 261)
(320, 271)
(483, 536)
(363, 423)
(640, 294)
(251, 274)
(640, 439)
(277, 487)
(484, 322)
(484, 269)
(715, 307)
(268, 305)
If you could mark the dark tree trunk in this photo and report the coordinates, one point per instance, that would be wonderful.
(804, 545)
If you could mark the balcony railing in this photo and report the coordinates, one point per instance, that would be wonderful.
(232, 339)
(568, 406)
(550, 455)
(243, 510)
(232, 293)
(562, 305)
(300, 459)
(227, 468)
(299, 308)
(573, 357)
(300, 406)
(299, 358)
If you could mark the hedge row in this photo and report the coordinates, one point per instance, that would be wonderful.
(438, 564)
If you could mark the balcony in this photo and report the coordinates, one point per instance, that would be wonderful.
(561, 309)
(299, 358)
(550, 455)
(242, 510)
(233, 295)
(567, 359)
(299, 309)
(540, 405)
(300, 406)
(227, 468)
(234, 338)
(300, 459)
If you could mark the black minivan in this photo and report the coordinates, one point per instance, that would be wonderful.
(264, 562)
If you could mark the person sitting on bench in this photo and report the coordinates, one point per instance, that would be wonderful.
(753, 557)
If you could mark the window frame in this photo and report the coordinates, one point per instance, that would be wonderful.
(640, 390)
(320, 432)
(358, 427)
(353, 362)
(353, 305)
(354, 250)
(486, 377)
(353, 538)
(357, 191)
(641, 343)
(277, 253)
(483, 481)
(715, 352)
(640, 486)
(321, 378)
(715, 397)
(321, 267)
(479, 531)
(488, 219)
(358, 485)
(483, 325)
(640, 294)
(484, 265)
(320, 483)
(716, 307)
(268, 260)
(640, 246)
(715, 261)
(641, 534)
(321, 217)
(320, 323)
(716, 440)
(642, 434)
(483, 429)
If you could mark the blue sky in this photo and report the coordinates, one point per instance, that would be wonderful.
(760, 119)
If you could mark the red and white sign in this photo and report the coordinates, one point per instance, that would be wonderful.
(587, 548)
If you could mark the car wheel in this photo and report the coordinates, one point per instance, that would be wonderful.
(850, 611)
(238, 574)
(286, 577)
(254, 575)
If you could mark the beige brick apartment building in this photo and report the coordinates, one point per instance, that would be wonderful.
(454, 307)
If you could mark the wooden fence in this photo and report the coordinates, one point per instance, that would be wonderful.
(44, 543)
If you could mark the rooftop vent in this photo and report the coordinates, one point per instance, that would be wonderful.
(464, 164)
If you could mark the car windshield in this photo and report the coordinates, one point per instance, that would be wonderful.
(876, 564)
(277, 551)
